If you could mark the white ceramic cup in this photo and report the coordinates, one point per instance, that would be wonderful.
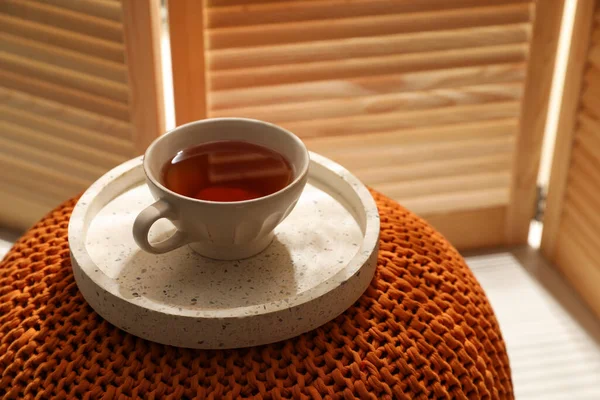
(219, 230)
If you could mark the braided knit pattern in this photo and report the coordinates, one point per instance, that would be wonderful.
(423, 330)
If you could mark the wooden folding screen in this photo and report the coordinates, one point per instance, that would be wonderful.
(80, 92)
(439, 104)
(571, 236)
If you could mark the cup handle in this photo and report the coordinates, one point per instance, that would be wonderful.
(147, 218)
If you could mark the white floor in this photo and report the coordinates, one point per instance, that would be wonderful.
(6, 241)
(553, 340)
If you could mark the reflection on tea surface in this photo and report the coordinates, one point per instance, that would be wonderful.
(227, 171)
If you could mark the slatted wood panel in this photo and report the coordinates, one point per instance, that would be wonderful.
(571, 236)
(80, 92)
(420, 99)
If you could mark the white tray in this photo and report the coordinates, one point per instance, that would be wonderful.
(321, 261)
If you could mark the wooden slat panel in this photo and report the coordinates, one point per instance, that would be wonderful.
(71, 108)
(459, 201)
(46, 159)
(60, 114)
(595, 39)
(96, 8)
(574, 262)
(69, 97)
(567, 121)
(44, 193)
(63, 38)
(58, 130)
(333, 145)
(446, 184)
(63, 58)
(372, 157)
(419, 98)
(397, 102)
(305, 11)
(395, 121)
(590, 96)
(55, 145)
(352, 68)
(419, 42)
(589, 133)
(540, 73)
(64, 77)
(592, 75)
(471, 229)
(584, 200)
(594, 56)
(186, 23)
(596, 36)
(380, 25)
(25, 170)
(22, 212)
(367, 86)
(229, 3)
(435, 169)
(587, 235)
(142, 40)
(571, 236)
(585, 172)
(64, 19)
(590, 101)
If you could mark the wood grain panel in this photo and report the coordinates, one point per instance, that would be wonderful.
(378, 104)
(57, 130)
(71, 97)
(186, 24)
(419, 99)
(457, 201)
(366, 86)
(372, 66)
(142, 40)
(378, 25)
(446, 184)
(393, 156)
(63, 18)
(23, 210)
(17, 135)
(574, 261)
(62, 38)
(60, 57)
(402, 172)
(571, 236)
(361, 47)
(95, 8)
(421, 136)
(282, 13)
(534, 111)
(472, 229)
(66, 78)
(46, 159)
(80, 92)
(408, 120)
(36, 107)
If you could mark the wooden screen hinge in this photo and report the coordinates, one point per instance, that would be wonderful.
(540, 203)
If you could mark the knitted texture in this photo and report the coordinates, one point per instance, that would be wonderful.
(423, 330)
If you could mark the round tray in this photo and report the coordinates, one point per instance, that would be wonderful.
(321, 261)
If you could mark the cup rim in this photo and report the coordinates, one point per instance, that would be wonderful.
(302, 173)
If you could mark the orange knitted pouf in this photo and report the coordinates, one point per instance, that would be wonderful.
(423, 330)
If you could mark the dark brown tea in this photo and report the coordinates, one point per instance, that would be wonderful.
(227, 171)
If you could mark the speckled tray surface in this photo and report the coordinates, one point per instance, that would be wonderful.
(321, 261)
